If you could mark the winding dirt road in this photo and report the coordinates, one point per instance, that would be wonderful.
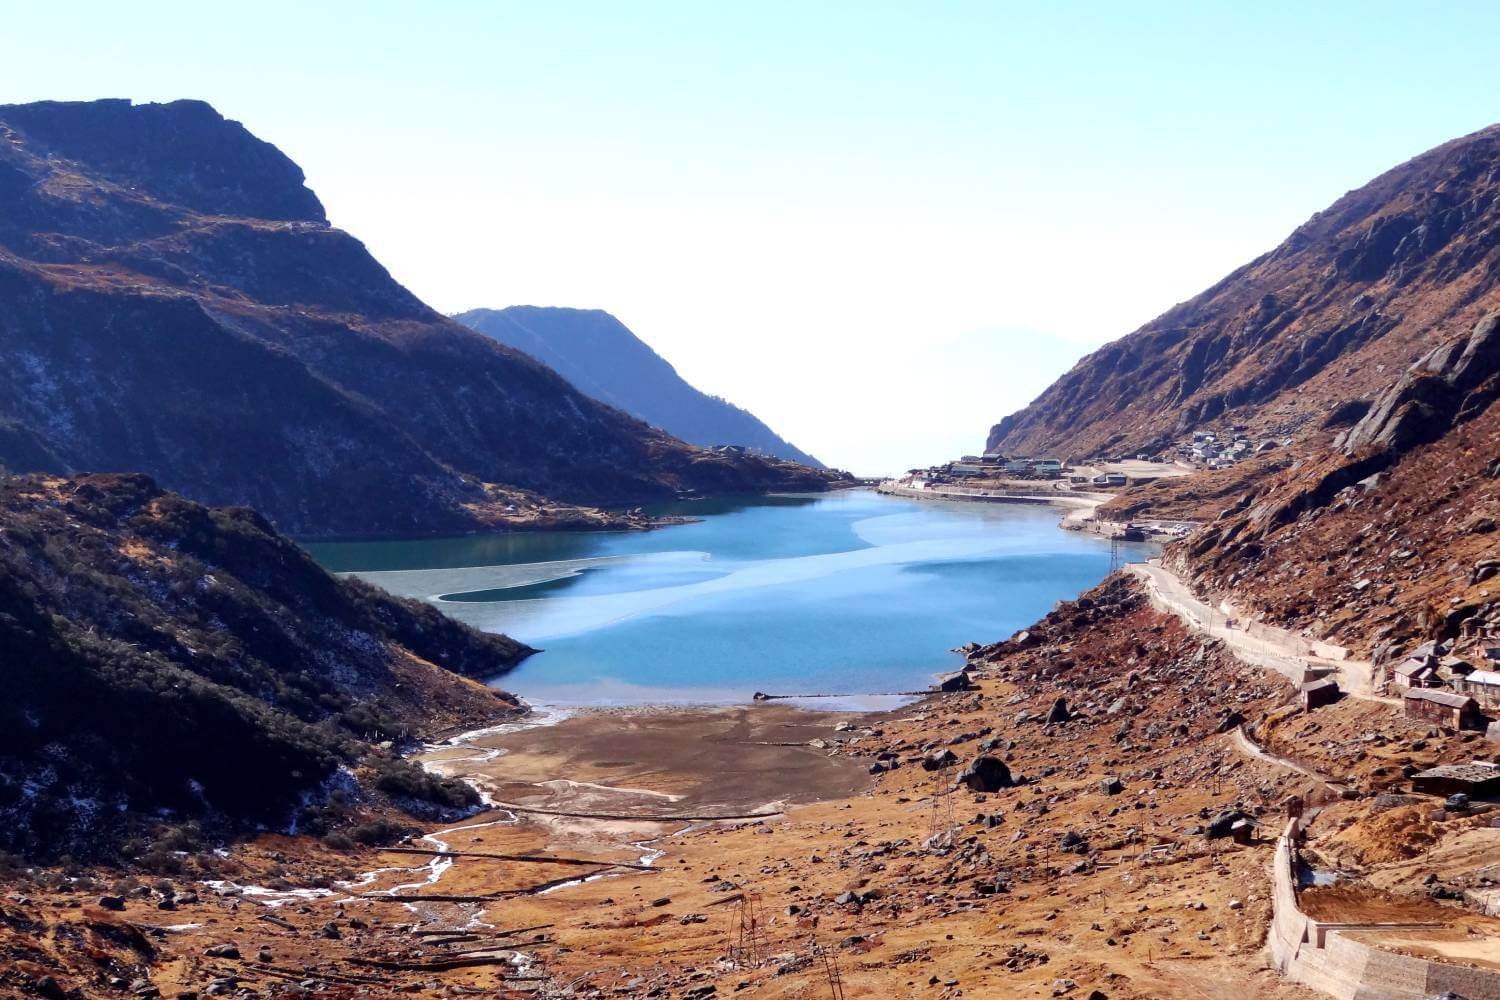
(1293, 656)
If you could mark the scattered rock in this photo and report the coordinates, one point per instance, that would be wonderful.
(939, 759)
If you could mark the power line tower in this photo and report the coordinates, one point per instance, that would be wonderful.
(831, 972)
(1116, 557)
(941, 816)
(748, 946)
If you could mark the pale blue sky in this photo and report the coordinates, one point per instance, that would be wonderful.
(880, 226)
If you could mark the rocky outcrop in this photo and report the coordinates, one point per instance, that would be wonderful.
(1450, 384)
(600, 355)
(1292, 339)
(174, 301)
(166, 661)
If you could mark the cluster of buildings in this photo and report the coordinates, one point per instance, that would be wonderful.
(1216, 451)
(1448, 691)
(990, 465)
(1103, 479)
(996, 466)
(1452, 692)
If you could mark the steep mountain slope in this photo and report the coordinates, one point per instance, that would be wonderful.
(1388, 536)
(1306, 334)
(163, 660)
(173, 300)
(601, 356)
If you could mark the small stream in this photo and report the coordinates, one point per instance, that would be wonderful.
(428, 874)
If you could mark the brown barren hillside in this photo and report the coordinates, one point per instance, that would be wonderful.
(173, 300)
(1390, 536)
(165, 663)
(1305, 335)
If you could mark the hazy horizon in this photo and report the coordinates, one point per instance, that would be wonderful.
(880, 228)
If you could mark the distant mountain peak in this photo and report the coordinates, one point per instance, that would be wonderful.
(606, 360)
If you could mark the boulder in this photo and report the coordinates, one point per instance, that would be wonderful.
(939, 842)
(986, 774)
(1112, 785)
(959, 680)
(1231, 720)
(1059, 711)
(939, 759)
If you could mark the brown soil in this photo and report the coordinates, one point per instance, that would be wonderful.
(1360, 904)
(997, 908)
(1002, 906)
(710, 762)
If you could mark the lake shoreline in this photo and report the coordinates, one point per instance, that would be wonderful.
(846, 595)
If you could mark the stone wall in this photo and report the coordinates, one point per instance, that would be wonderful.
(1330, 957)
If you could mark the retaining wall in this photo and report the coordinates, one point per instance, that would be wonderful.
(1271, 633)
(1330, 957)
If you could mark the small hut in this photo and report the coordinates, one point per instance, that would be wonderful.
(1315, 694)
(1478, 780)
(1415, 672)
(1446, 708)
(1481, 685)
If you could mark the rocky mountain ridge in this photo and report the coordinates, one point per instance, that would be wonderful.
(1369, 340)
(604, 358)
(173, 300)
(1305, 334)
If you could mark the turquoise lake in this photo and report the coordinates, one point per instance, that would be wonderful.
(850, 593)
